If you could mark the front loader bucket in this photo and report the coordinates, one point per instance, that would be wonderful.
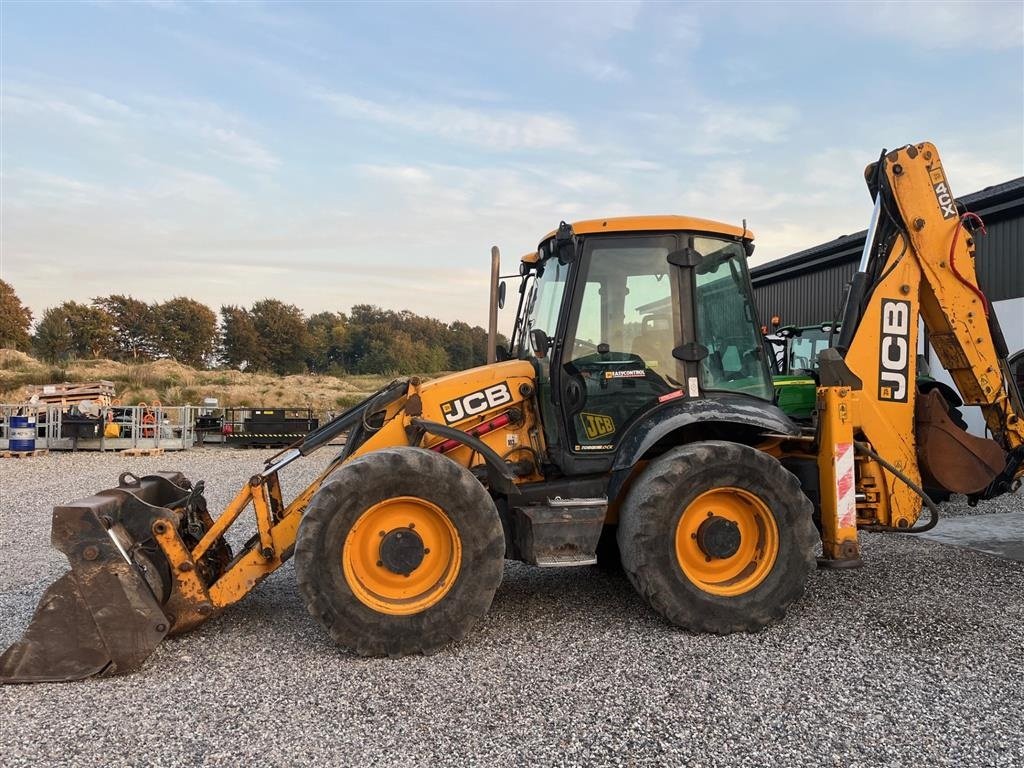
(105, 616)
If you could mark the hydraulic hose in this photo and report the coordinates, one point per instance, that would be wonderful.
(933, 508)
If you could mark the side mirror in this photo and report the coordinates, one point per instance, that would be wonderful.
(501, 295)
(540, 342)
(501, 353)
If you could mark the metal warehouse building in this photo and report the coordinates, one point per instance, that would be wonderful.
(806, 288)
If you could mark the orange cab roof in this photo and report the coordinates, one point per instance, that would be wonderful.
(655, 224)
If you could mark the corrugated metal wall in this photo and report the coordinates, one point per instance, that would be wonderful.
(805, 299)
(1000, 259)
(814, 291)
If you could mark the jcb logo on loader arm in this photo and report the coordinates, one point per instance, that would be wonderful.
(476, 402)
(894, 352)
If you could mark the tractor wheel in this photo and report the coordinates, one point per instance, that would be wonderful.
(399, 552)
(717, 537)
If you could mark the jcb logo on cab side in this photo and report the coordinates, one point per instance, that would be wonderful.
(942, 194)
(476, 402)
(894, 352)
(597, 425)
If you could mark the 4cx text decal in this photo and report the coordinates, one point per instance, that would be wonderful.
(476, 402)
(597, 425)
(894, 351)
(942, 194)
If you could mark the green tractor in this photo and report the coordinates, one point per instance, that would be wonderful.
(793, 358)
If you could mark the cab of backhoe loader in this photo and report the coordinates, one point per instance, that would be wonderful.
(622, 316)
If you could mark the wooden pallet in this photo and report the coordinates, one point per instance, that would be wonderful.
(65, 394)
(142, 452)
(23, 454)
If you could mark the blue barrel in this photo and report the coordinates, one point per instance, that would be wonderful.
(23, 434)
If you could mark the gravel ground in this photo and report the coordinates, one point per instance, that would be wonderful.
(916, 658)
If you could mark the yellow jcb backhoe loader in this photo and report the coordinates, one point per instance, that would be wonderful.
(631, 418)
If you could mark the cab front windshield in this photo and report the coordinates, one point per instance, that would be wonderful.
(727, 323)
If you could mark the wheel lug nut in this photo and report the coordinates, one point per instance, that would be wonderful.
(426, 551)
(411, 526)
(380, 563)
(383, 534)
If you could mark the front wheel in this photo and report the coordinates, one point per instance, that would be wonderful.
(717, 537)
(399, 552)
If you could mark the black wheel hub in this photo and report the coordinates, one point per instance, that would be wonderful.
(718, 537)
(401, 551)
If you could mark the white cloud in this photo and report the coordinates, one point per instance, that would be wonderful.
(705, 128)
(489, 129)
(233, 146)
(86, 116)
(684, 29)
(725, 124)
(967, 26)
(602, 70)
(30, 102)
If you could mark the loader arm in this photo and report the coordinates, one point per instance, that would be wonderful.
(147, 559)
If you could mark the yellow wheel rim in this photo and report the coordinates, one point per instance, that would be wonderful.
(733, 567)
(369, 560)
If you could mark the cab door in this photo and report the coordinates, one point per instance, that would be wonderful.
(617, 358)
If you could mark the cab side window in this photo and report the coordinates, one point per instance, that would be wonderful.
(620, 360)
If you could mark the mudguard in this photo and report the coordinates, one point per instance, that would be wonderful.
(724, 409)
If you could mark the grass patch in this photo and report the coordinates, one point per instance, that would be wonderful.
(174, 384)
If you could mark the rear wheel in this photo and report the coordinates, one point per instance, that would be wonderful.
(400, 551)
(717, 537)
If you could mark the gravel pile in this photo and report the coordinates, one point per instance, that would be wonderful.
(917, 658)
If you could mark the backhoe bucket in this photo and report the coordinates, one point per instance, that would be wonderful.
(948, 455)
(106, 615)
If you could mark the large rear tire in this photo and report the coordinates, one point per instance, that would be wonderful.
(399, 552)
(717, 537)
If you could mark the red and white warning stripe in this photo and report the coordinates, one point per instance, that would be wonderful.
(846, 486)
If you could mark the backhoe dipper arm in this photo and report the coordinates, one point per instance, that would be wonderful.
(918, 262)
(962, 325)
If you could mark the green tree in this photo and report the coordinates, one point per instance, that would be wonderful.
(15, 320)
(239, 342)
(74, 330)
(383, 341)
(53, 341)
(136, 332)
(326, 332)
(283, 335)
(187, 331)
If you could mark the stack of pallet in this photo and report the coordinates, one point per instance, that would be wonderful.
(66, 394)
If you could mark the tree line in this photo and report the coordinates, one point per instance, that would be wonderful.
(269, 336)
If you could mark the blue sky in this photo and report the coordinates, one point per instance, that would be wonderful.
(331, 154)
